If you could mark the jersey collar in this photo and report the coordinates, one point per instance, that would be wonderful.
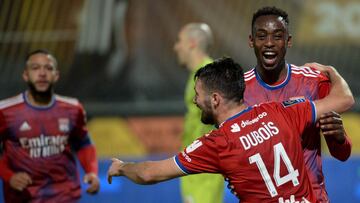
(49, 106)
(274, 87)
(235, 116)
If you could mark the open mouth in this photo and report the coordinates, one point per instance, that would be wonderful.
(269, 57)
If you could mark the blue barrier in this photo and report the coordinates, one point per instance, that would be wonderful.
(342, 182)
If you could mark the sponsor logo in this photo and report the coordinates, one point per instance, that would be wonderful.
(196, 144)
(188, 159)
(44, 146)
(292, 200)
(25, 127)
(255, 120)
(235, 128)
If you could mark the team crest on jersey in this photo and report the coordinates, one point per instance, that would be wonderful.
(64, 125)
(292, 102)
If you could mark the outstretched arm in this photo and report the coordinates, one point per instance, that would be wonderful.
(340, 98)
(144, 173)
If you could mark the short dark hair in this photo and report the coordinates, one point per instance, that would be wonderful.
(224, 75)
(41, 51)
(269, 11)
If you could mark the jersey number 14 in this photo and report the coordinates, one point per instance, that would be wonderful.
(279, 154)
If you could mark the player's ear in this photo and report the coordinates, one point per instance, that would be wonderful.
(193, 43)
(289, 41)
(57, 75)
(25, 75)
(251, 41)
(215, 100)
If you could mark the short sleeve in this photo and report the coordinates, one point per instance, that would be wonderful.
(201, 156)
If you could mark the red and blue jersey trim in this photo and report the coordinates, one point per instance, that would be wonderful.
(180, 165)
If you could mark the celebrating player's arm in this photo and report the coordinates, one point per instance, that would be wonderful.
(148, 172)
(331, 125)
(340, 98)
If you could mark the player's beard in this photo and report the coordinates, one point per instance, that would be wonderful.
(207, 116)
(41, 95)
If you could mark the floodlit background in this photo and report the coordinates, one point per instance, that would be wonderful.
(116, 56)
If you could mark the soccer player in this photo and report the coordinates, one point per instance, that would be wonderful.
(275, 80)
(39, 131)
(257, 147)
(192, 46)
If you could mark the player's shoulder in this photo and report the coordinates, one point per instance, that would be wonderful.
(292, 102)
(306, 72)
(275, 109)
(214, 133)
(283, 104)
(250, 75)
(11, 101)
(266, 106)
(216, 137)
(72, 101)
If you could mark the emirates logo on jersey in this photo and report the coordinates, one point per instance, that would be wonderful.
(44, 145)
(64, 125)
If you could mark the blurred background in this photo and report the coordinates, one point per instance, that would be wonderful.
(117, 57)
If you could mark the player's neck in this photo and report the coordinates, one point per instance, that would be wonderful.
(230, 111)
(196, 60)
(275, 76)
(39, 99)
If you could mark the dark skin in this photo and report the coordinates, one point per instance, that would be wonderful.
(270, 39)
(332, 127)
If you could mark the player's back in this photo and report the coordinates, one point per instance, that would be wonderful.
(300, 82)
(262, 156)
